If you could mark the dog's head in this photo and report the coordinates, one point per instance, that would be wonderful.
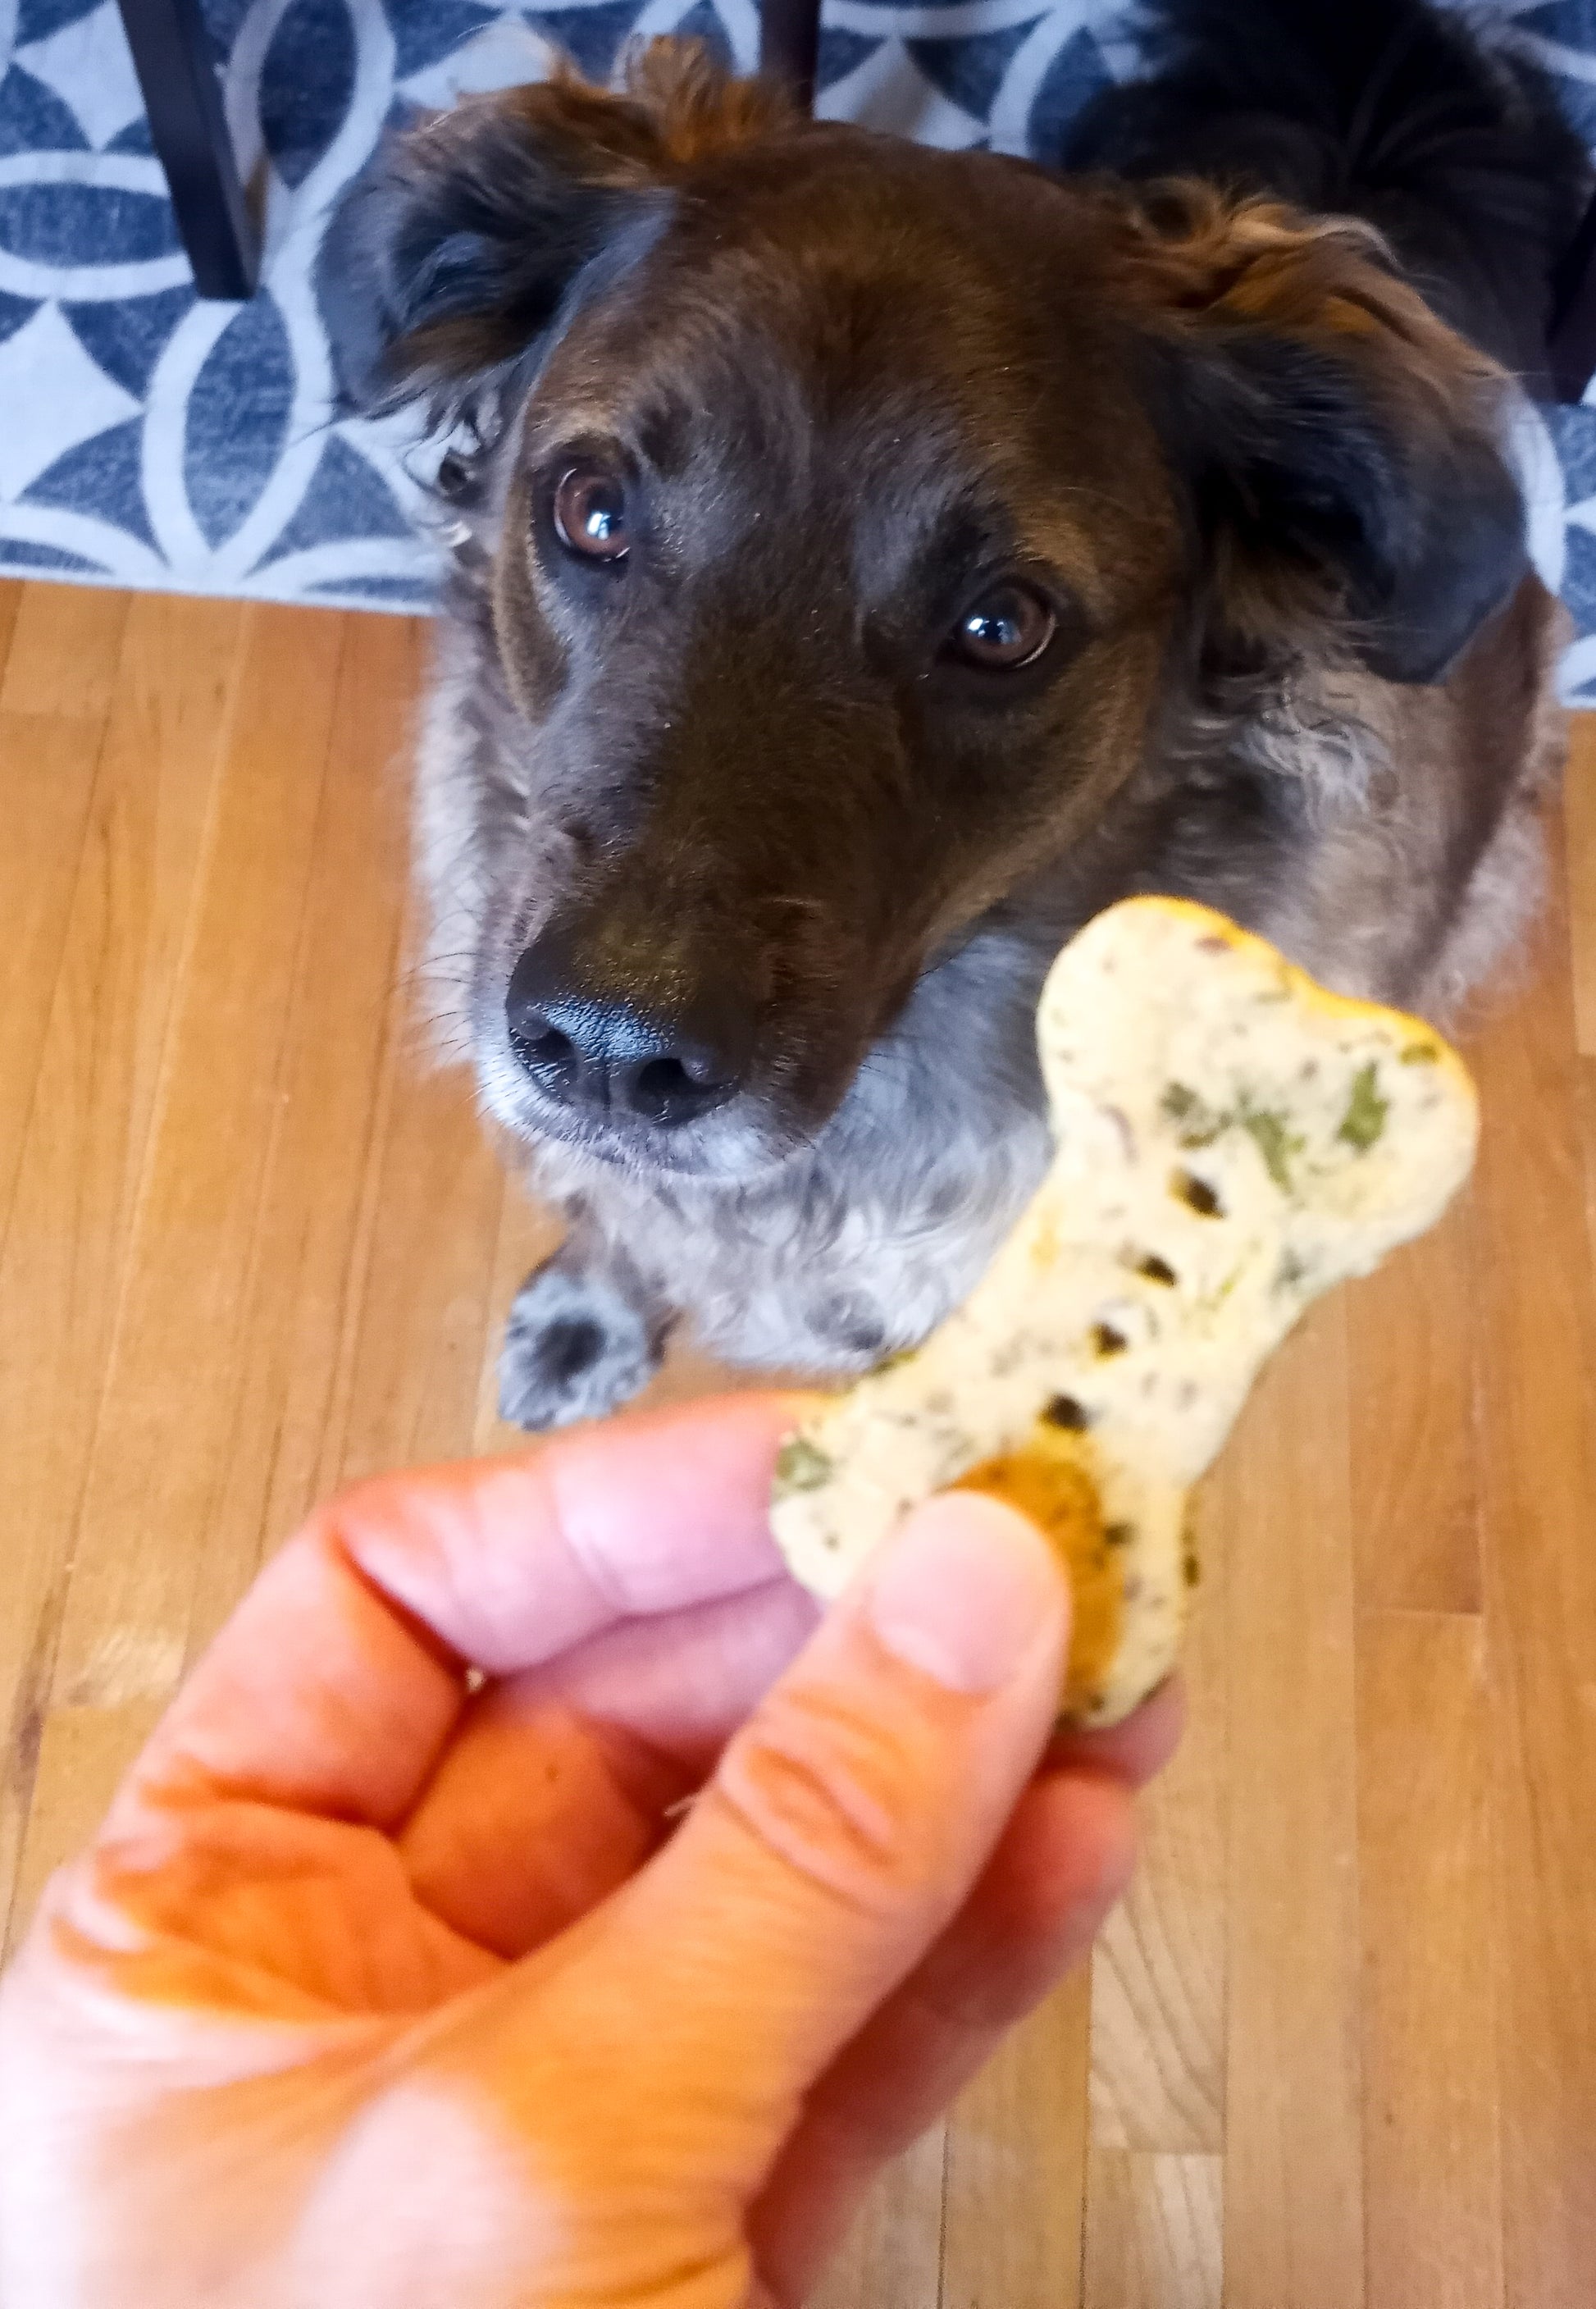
(848, 518)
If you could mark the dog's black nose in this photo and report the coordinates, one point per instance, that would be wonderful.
(605, 1052)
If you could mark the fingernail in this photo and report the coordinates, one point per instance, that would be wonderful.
(964, 1592)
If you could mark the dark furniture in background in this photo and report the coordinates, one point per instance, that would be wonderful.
(1571, 348)
(175, 63)
(789, 41)
(176, 69)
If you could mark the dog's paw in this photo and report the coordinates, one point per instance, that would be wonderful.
(576, 1346)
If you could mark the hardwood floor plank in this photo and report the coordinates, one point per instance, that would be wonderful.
(1536, 1331)
(1157, 1979)
(162, 1446)
(1154, 2231)
(11, 603)
(65, 641)
(1016, 2166)
(1579, 880)
(81, 1155)
(49, 765)
(414, 1377)
(346, 1006)
(1432, 2163)
(1585, 1107)
(1293, 2093)
(1415, 1473)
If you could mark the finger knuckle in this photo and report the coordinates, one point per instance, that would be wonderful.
(836, 1792)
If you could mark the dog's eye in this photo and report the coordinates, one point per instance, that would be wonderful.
(454, 476)
(1007, 629)
(590, 514)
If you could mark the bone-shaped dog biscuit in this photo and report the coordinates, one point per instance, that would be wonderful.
(1231, 1141)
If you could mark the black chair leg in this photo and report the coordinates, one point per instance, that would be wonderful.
(789, 44)
(172, 55)
(1571, 348)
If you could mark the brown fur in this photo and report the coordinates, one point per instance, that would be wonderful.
(1259, 478)
(675, 110)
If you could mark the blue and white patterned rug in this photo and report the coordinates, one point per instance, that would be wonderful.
(149, 440)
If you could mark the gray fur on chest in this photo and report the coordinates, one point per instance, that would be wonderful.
(859, 1246)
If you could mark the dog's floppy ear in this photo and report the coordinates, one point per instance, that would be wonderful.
(1340, 445)
(452, 254)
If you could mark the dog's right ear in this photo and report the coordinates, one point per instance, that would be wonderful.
(451, 257)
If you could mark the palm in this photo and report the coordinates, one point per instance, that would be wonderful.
(554, 1786)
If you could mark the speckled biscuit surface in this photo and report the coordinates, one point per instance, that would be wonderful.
(1231, 1141)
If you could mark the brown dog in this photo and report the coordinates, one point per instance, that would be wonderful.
(868, 562)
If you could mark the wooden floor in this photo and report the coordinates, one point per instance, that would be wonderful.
(1339, 2047)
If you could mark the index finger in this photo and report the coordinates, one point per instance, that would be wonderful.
(337, 1681)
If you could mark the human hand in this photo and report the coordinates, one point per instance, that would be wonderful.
(380, 1991)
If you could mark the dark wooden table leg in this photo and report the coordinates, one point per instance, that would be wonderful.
(1570, 346)
(788, 43)
(174, 59)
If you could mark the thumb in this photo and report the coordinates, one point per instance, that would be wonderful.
(848, 1822)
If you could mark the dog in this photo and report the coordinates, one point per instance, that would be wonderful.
(867, 562)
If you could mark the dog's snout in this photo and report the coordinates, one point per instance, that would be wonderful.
(661, 1064)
